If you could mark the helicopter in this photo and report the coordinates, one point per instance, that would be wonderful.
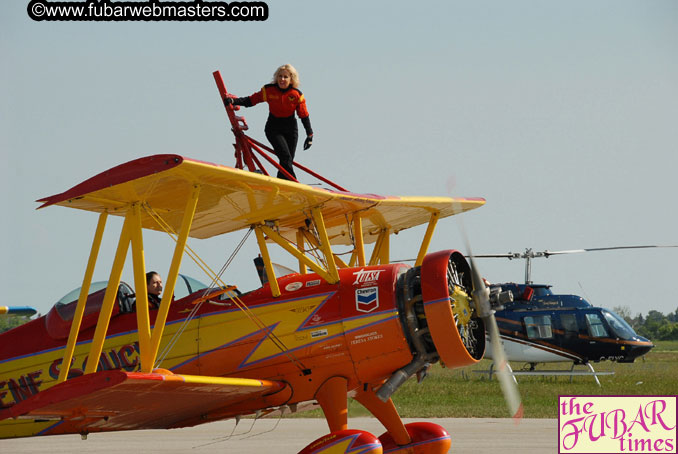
(540, 326)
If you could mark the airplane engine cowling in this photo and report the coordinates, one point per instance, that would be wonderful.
(438, 313)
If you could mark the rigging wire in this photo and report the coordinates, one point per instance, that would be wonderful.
(217, 278)
(282, 413)
(241, 436)
(170, 345)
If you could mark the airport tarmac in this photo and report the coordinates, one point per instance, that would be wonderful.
(281, 436)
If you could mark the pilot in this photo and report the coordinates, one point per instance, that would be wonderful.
(284, 99)
(154, 289)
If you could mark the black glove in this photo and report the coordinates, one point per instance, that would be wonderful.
(230, 101)
(246, 101)
(308, 142)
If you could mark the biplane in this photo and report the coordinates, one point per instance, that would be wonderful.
(330, 330)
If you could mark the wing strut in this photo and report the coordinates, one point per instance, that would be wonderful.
(82, 299)
(163, 310)
(337, 260)
(359, 242)
(303, 269)
(426, 242)
(270, 272)
(325, 243)
(329, 272)
(380, 253)
(109, 297)
(149, 340)
(140, 289)
(282, 242)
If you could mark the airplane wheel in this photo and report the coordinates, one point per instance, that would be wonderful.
(427, 438)
(344, 441)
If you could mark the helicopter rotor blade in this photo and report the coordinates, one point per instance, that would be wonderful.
(595, 249)
(496, 256)
(529, 253)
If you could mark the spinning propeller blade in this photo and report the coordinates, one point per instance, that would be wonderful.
(481, 298)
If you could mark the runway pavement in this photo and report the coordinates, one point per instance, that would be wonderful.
(469, 436)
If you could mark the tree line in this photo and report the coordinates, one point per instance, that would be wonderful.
(12, 321)
(654, 326)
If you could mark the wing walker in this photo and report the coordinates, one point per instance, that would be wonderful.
(330, 330)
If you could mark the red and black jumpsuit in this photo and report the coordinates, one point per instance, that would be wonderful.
(281, 126)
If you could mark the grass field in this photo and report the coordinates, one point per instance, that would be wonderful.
(463, 393)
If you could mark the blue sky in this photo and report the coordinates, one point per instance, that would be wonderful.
(561, 114)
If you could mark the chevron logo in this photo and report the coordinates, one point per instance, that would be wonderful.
(367, 299)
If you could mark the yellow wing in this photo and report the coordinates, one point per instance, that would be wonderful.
(233, 199)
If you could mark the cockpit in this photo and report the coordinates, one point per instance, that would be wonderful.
(618, 325)
(58, 319)
(66, 305)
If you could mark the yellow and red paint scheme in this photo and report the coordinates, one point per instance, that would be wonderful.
(335, 328)
(351, 330)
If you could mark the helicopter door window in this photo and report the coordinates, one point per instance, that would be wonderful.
(538, 327)
(595, 325)
(569, 322)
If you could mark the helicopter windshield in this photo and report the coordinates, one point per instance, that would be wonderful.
(619, 326)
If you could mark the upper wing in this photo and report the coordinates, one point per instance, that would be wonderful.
(232, 199)
(119, 400)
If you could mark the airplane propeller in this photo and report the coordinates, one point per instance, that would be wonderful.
(481, 297)
(485, 302)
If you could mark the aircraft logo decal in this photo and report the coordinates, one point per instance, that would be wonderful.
(363, 277)
(294, 286)
(367, 299)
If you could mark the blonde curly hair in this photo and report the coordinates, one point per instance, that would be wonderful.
(294, 75)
